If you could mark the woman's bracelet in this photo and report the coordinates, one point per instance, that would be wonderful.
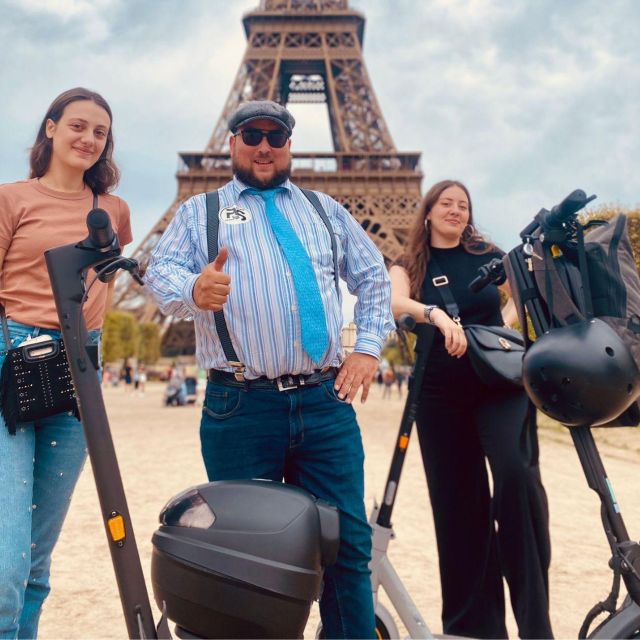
(428, 309)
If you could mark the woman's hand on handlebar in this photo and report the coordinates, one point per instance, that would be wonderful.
(455, 342)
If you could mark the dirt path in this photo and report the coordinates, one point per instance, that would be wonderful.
(159, 456)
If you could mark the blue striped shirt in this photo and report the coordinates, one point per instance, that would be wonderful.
(261, 310)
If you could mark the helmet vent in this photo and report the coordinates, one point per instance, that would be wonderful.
(610, 351)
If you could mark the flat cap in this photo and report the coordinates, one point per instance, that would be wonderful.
(261, 109)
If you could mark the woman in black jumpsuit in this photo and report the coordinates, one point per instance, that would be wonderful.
(461, 423)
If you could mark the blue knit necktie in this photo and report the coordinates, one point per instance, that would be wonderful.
(315, 338)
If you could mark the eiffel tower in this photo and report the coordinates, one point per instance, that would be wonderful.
(303, 51)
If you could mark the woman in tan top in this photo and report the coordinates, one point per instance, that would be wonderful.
(71, 160)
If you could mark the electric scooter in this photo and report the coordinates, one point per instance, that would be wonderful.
(382, 572)
(237, 559)
(562, 232)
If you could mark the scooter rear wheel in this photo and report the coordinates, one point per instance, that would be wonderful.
(382, 633)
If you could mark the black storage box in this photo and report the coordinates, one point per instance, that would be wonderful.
(242, 559)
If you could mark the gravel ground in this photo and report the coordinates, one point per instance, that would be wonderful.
(159, 456)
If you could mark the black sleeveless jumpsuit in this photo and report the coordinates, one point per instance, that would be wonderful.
(482, 535)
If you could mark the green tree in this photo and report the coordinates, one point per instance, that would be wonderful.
(121, 336)
(149, 345)
(396, 352)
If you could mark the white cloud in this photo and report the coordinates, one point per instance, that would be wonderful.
(64, 9)
(90, 16)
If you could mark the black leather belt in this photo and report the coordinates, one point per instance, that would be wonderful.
(283, 383)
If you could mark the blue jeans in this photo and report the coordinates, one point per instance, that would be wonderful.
(39, 467)
(311, 439)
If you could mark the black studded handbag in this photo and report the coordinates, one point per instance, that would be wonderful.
(495, 352)
(35, 381)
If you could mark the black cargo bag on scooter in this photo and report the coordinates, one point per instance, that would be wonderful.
(613, 286)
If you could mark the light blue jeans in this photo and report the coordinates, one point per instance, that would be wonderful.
(39, 467)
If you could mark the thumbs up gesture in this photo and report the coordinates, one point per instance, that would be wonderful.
(213, 285)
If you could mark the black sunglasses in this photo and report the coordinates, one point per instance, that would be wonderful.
(276, 138)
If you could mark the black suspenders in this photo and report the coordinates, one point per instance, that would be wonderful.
(312, 196)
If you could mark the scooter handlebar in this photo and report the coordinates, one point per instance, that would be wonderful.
(407, 322)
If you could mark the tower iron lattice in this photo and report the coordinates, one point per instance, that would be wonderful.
(302, 51)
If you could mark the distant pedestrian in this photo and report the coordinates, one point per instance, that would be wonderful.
(127, 376)
(388, 378)
(142, 379)
(399, 381)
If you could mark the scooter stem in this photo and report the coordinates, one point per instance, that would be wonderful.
(66, 265)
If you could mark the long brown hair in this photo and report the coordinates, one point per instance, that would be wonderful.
(103, 176)
(417, 250)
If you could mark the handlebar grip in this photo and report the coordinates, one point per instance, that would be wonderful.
(492, 272)
(407, 322)
(477, 284)
(101, 233)
(575, 201)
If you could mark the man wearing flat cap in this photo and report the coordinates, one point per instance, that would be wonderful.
(263, 293)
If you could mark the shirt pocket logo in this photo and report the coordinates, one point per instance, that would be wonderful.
(234, 214)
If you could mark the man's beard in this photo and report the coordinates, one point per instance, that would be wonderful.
(248, 176)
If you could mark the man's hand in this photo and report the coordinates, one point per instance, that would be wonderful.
(212, 287)
(357, 370)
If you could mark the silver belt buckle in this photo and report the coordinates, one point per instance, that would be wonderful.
(290, 383)
(238, 370)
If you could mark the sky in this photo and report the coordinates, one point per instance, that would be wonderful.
(523, 100)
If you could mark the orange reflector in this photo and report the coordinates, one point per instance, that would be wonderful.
(403, 443)
(556, 252)
(116, 528)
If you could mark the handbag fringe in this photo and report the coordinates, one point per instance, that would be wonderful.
(8, 398)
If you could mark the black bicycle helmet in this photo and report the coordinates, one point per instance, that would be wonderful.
(582, 374)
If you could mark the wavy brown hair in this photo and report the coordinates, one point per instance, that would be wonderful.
(415, 258)
(103, 176)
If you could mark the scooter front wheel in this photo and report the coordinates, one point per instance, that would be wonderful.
(625, 623)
